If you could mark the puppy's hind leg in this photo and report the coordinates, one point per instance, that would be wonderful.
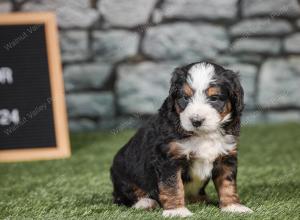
(124, 192)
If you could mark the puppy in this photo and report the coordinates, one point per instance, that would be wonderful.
(191, 140)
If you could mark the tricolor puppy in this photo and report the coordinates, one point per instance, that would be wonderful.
(191, 140)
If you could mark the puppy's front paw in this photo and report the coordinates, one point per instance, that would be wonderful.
(179, 212)
(237, 208)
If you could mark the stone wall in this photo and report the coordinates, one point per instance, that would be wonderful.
(118, 54)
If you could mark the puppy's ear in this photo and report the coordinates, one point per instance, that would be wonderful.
(178, 77)
(236, 93)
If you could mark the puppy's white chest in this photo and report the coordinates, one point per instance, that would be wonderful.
(206, 148)
(202, 152)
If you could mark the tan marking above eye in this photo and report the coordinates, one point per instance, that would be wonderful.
(211, 91)
(188, 91)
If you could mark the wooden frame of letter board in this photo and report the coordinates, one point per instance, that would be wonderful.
(62, 150)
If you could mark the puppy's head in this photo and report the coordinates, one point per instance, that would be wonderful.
(206, 96)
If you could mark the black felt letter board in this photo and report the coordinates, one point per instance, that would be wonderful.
(26, 114)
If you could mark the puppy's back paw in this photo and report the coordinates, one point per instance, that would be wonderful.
(145, 203)
(179, 212)
(236, 208)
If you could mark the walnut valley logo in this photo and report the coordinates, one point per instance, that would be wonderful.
(21, 37)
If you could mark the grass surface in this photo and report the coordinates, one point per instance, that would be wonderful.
(268, 180)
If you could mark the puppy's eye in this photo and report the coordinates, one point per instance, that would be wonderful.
(186, 98)
(214, 98)
(183, 102)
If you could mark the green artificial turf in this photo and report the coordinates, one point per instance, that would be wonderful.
(268, 180)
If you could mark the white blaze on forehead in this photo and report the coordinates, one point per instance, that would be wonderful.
(200, 76)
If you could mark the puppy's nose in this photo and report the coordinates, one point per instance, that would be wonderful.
(197, 122)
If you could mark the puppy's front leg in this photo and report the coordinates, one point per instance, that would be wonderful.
(171, 194)
(224, 177)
